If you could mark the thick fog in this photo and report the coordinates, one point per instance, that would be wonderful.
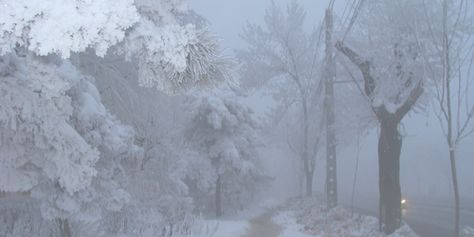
(425, 168)
(250, 118)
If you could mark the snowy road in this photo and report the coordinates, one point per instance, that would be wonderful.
(275, 224)
(427, 218)
(435, 221)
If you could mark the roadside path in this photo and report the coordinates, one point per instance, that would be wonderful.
(263, 226)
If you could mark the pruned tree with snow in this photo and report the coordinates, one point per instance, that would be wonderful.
(388, 57)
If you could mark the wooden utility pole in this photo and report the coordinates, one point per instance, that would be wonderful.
(329, 76)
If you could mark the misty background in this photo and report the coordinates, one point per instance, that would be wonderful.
(424, 168)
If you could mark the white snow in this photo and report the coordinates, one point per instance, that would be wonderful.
(468, 231)
(64, 26)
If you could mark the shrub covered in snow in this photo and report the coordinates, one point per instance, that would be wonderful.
(338, 222)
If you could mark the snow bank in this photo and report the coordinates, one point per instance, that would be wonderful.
(468, 232)
(312, 217)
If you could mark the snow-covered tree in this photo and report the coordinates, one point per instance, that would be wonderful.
(282, 56)
(114, 141)
(164, 196)
(449, 56)
(393, 73)
(223, 130)
(35, 113)
(172, 53)
(161, 204)
(62, 27)
(58, 141)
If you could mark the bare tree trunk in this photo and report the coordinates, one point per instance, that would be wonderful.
(356, 171)
(308, 167)
(308, 173)
(64, 228)
(449, 115)
(452, 158)
(331, 162)
(389, 148)
(218, 196)
(309, 184)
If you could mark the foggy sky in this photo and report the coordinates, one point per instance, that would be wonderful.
(228, 17)
(424, 158)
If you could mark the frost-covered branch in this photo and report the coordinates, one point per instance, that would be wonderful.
(362, 64)
(410, 101)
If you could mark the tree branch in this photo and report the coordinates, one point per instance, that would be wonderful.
(410, 101)
(362, 64)
(292, 148)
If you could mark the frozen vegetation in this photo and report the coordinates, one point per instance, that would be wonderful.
(311, 217)
(128, 118)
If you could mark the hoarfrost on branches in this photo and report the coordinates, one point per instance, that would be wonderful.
(172, 56)
(61, 27)
(58, 141)
(36, 133)
(223, 131)
(393, 52)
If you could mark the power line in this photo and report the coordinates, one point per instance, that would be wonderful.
(348, 9)
(331, 4)
(353, 18)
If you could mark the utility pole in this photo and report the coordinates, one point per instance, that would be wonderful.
(329, 77)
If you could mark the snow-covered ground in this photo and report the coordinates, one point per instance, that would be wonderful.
(296, 218)
(302, 218)
(468, 232)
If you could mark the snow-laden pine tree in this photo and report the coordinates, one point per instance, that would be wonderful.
(62, 27)
(172, 53)
(59, 143)
(172, 49)
(223, 131)
(164, 182)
